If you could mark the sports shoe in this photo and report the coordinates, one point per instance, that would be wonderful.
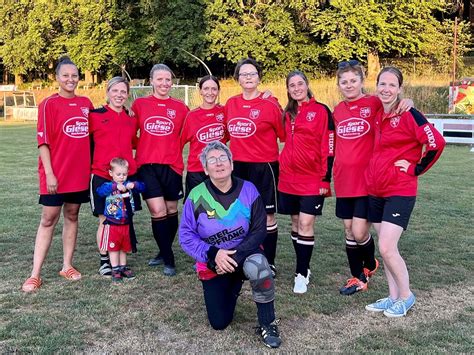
(127, 273)
(380, 305)
(354, 285)
(169, 270)
(369, 273)
(157, 260)
(400, 308)
(105, 270)
(274, 270)
(116, 276)
(270, 335)
(301, 283)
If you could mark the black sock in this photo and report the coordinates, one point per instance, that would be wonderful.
(270, 243)
(104, 259)
(265, 313)
(159, 226)
(305, 251)
(367, 249)
(294, 239)
(354, 256)
(172, 219)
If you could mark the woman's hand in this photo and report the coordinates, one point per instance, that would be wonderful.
(51, 183)
(224, 261)
(404, 105)
(403, 164)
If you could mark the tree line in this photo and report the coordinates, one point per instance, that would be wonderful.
(312, 35)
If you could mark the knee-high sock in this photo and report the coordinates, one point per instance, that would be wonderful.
(367, 249)
(270, 243)
(159, 228)
(354, 256)
(265, 313)
(294, 239)
(172, 219)
(305, 246)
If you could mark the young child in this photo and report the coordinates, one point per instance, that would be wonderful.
(118, 237)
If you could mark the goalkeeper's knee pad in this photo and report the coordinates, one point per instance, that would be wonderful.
(257, 270)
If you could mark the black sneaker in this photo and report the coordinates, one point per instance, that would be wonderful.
(270, 335)
(169, 270)
(105, 270)
(157, 260)
(127, 273)
(274, 270)
(116, 276)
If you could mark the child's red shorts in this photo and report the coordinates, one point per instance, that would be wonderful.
(116, 238)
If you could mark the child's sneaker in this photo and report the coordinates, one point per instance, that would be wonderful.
(127, 273)
(380, 305)
(116, 276)
(400, 308)
(270, 334)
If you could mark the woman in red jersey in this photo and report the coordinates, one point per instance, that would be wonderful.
(354, 118)
(64, 168)
(159, 158)
(305, 169)
(406, 146)
(203, 125)
(254, 125)
(113, 134)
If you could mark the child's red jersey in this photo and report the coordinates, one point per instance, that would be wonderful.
(64, 127)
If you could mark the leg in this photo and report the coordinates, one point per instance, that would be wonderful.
(270, 242)
(365, 242)
(71, 215)
(157, 208)
(305, 242)
(122, 258)
(44, 235)
(114, 258)
(353, 253)
(104, 268)
(220, 295)
(396, 270)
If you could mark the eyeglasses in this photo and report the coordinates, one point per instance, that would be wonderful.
(248, 75)
(347, 63)
(213, 160)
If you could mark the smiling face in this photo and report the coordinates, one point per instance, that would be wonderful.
(350, 84)
(248, 77)
(68, 78)
(388, 89)
(218, 166)
(117, 96)
(298, 89)
(209, 92)
(161, 82)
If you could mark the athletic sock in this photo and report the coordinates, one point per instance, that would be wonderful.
(354, 256)
(172, 221)
(159, 226)
(294, 240)
(367, 249)
(270, 243)
(305, 246)
(265, 313)
(104, 259)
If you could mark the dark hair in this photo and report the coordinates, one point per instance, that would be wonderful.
(64, 60)
(355, 68)
(209, 77)
(247, 61)
(395, 71)
(292, 105)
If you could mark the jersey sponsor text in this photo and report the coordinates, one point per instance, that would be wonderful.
(353, 128)
(76, 127)
(159, 126)
(210, 133)
(241, 127)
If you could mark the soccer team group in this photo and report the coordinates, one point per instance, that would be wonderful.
(374, 147)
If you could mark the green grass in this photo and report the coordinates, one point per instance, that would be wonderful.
(157, 314)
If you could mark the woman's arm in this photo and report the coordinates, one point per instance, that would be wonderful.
(51, 181)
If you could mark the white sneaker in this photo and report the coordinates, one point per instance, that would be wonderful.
(301, 283)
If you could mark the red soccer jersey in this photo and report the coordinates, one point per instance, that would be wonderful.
(307, 157)
(160, 122)
(410, 137)
(253, 127)
(354, 144)
(63, 126)
(202, 126)
(112, 134)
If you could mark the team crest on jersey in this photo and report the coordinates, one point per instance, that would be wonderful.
(254, 113)
(171, 113)
(310, 116)
(394, 121)
(85, 111)
(211, 214)
(365, 112)
(220, 117)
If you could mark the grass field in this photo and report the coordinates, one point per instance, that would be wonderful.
(154, 313)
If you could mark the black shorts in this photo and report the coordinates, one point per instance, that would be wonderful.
(161, 181)
(393, 209)
(68, 197)
(349, 207)
(294, 204)
(98, 202)
(193, 179)
(265, 178)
